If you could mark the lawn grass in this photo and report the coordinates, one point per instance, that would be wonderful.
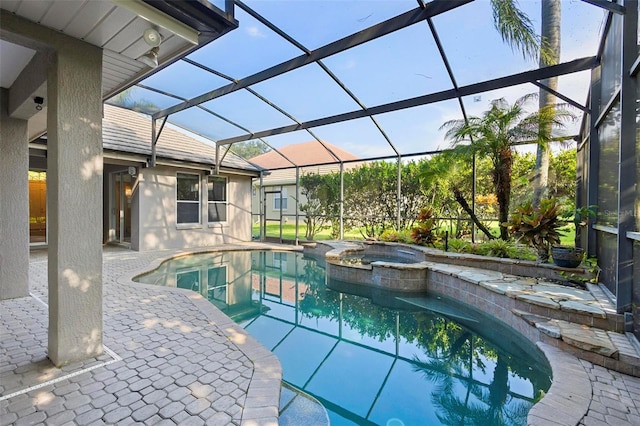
(289, 233)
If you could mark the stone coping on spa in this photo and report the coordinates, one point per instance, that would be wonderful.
(583, 306)
(338, 249)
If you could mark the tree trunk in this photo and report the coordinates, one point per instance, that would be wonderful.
(502, 182)
(550, 31)
(465, 206)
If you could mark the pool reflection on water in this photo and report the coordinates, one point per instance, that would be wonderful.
(370, 357)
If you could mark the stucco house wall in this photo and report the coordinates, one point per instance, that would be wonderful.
(157, 227)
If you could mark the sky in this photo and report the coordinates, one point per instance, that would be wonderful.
(401, 65)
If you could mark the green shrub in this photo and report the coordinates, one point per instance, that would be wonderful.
(494, 248)
(393, 236)
(457, 245)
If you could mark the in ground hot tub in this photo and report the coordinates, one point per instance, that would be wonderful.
(387, 267)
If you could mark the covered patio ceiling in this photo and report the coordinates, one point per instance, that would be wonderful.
(377, 78)
(118, 27)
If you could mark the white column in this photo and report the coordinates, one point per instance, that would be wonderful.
(74, 184)
(14, 204)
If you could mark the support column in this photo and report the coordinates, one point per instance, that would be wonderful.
(14, 204)
(627, 160)
(75, 203)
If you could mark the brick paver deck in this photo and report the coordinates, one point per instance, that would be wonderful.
(172, 358)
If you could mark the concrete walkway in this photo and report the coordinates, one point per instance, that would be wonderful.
(172, 358)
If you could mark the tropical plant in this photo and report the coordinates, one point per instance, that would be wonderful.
(393, 236)
(450, 172)
(423, 233)
(580, 217)
(495, 248)
(495, 133)
(457, 245)
(516, 29)
(539, 227)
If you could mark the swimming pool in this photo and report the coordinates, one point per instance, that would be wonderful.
(414, 360)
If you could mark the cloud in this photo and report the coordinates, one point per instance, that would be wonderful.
(255, 32)
(350, 64)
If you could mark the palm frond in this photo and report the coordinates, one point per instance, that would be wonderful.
(517, 30)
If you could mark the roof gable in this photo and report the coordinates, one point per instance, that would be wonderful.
(129, 131)
(302, 154)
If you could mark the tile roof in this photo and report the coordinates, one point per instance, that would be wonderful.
(128, 131)
(302, 154)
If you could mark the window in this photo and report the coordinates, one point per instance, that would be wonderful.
(279, 259)
(188, 198)
(217, 190)
(189, 280)
(217, 284)
(280, 198)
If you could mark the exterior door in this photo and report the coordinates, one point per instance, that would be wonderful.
(37, 208)
(122, 186)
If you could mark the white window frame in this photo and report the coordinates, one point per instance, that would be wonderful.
(225, 202)
(178, 202)
(279, 197)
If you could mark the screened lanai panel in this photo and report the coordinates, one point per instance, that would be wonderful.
(401, 65)
(575, 86)
(473, 46)
(245, 51)
(278, 141)
(184, 80)
(609, 151)
(581, 29)
(204, 123)
(611, 61)
(359, 137)
(475, 105)
(416, 130)
(317, 23)
(143, 100)
(248, 110)
(307, 93)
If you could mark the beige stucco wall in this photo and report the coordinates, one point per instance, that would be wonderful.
(14, 204)
(157, 228)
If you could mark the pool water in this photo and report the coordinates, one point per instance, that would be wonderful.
(370, 357)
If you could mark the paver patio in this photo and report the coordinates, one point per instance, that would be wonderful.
(172, 358)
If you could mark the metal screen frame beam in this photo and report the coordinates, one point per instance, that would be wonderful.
(627, 160)
(577, 65)
(389, 26)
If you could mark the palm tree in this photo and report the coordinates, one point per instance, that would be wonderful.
(551, 16)
(494, 135)
(516, 29)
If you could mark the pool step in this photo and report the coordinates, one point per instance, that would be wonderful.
(618, 351)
